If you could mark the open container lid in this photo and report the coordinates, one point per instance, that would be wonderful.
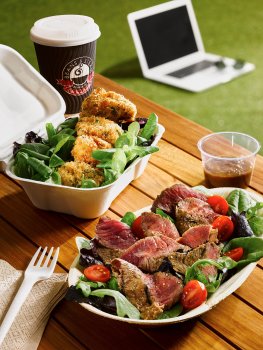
(27, 101)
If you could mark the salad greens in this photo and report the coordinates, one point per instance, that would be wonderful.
(211, 281)
(123, 306)
(40, 160)
(240, 202)
(253, 249)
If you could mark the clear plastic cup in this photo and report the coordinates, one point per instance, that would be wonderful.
(228, 159)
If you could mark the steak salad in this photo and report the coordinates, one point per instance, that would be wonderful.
(170, 259)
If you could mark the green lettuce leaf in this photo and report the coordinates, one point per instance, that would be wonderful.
(253, 249)
(124, 307)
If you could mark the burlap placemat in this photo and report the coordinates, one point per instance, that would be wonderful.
(28, 327)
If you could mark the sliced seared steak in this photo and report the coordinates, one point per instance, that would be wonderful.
(151, 294)
(148, 253)
(169, 197)
(154, 225)
(197, 235)
(191, 212)
(108, 254)
(180, 261)
(168, 289)
(114, 234)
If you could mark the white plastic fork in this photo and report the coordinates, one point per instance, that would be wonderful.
(33, 273)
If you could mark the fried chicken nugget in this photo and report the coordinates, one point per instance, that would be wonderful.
(72, 173)
(110, 105)
(84, 145)
(99, 126)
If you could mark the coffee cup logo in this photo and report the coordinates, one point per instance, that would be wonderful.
(77, 76)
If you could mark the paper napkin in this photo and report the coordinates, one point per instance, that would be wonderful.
(28, 327)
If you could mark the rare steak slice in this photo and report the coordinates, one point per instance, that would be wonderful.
(154, 225)
(191, 212)
(198, 235)
(180, 261)
(169, 197)
(168, 289)
(151, 294)
(114, 234)
(148, 253)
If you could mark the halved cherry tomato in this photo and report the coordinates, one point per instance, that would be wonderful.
(225, 227)
(97, 273)
(194, 294)
(218, 204)
(235, 254)
(136, 227)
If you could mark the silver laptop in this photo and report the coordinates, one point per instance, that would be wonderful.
(170, 48)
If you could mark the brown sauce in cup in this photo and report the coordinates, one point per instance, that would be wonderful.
(227, 173)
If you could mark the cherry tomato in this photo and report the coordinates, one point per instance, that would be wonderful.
(194, 294)
(235, 254)
(225, 227)
(136, 227)
(97, 273)
(218, 204)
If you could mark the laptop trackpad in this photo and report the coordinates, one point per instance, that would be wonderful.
(193, 68)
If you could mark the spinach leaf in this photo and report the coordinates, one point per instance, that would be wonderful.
(173, 312)
(239, 201)
(84, 287)
(50, 131)
(68, 123)
(254, 216)
(119, 161)
(128, 218)
(40, 167)
(56, 178)
(164, 215)
(124, 307)
(36, 147)
(109, 176)
(21, 167)
(34, 154)
(55, 161)
(112, 283)
(150, 127)
(253, 249)
(88, 183)
(212, 282)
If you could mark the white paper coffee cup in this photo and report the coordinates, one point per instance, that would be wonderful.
(65, 46)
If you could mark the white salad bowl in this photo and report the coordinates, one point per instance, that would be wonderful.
(221, 293)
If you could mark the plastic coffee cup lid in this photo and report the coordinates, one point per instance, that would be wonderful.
(64, 30)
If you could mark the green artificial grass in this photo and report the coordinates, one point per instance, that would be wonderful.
(229, 28)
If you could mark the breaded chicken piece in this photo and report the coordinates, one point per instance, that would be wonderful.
(84, 145)
(98, 126)
(72, 173)
(110, 105)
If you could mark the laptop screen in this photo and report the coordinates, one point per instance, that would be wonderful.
(166, 36)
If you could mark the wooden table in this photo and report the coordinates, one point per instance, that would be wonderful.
(236, 323)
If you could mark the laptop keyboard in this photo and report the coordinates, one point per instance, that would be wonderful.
(194, 68)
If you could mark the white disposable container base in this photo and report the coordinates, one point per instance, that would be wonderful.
(50, 107)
